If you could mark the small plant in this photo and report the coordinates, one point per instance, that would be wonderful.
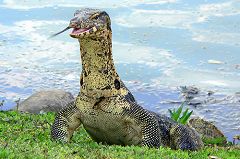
(175, 114)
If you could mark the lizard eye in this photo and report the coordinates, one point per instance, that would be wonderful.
(95, 16)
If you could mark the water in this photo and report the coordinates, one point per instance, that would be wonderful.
(157, 46)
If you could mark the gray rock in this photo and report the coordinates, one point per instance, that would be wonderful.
(196, 97)
(189, 90)
(46, 101)
(206, 129)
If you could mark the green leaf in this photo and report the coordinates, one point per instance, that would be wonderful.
(175, 115)
(184, 113)
(170, 111)
(181, 120)
(178, 112)
(186, 117)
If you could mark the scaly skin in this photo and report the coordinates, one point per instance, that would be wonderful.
(105, 107)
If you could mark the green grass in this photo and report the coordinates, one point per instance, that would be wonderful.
(214, 141)
(27, 136)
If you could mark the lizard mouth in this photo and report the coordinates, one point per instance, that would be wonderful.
(80, 32)
(77, 31)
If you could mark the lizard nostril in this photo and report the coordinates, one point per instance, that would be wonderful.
(72, 25)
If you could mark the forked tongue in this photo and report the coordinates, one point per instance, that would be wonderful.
(60, 32)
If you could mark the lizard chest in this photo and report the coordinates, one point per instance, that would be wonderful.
(105, 122)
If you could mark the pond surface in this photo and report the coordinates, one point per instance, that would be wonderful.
(157, 47)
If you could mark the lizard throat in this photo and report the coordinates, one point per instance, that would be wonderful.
(99, 77)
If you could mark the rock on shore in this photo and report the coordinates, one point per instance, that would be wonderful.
(46, 101)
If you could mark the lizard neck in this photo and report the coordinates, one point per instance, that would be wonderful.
(99, 77)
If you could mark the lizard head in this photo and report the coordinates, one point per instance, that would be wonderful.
(89, 22)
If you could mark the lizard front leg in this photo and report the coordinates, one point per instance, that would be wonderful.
(66, 122)
(150, 132)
